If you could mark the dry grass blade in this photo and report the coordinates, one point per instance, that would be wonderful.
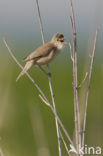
(89, 84)
(71, 55)
(65, 145)
(86, 74)
(14, 58)
(40, 22)
(50, 83)
(59, 121)
(75, 80)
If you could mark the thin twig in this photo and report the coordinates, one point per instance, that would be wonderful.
(60, 122)
(46, 102)
(75, 80)
(40, 22)
(49, 105)
(56, 120)
(89, 85)
(44, 98)
(50, 83)
(65, 145)
(14, 58)
(86, 74)
(71, 55)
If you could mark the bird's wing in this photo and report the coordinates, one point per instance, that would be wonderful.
(41, 52)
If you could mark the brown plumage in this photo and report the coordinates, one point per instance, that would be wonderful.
(44, 54)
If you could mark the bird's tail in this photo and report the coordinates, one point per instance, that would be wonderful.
(25, 69)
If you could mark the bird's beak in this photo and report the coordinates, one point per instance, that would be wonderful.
(63, 40)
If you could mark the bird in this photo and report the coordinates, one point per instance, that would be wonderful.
(44, 54)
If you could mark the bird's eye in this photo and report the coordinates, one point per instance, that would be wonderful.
(61, 36)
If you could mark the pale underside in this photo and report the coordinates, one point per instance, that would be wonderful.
(42, 55)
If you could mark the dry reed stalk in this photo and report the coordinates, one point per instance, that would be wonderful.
(75, 80)
(89, 85)
(50, 83)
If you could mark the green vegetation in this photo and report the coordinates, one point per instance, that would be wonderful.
(27, 126)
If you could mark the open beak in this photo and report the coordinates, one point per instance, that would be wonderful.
(62, 39)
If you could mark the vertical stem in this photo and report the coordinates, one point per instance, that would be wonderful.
(40, 22)
(89, 85)
(56, 120)
(50, 85)
(75, 81)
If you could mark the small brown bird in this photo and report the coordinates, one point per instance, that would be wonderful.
(44, 54)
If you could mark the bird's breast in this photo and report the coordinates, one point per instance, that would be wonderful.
(46, 59)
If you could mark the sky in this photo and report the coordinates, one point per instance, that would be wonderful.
(19, 18)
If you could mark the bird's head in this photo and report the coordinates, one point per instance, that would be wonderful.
(59, 40)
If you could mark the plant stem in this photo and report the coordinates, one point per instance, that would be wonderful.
(50, 83)
(89, 85)
(75, 81)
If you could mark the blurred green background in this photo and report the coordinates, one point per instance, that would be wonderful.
(27, 126)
